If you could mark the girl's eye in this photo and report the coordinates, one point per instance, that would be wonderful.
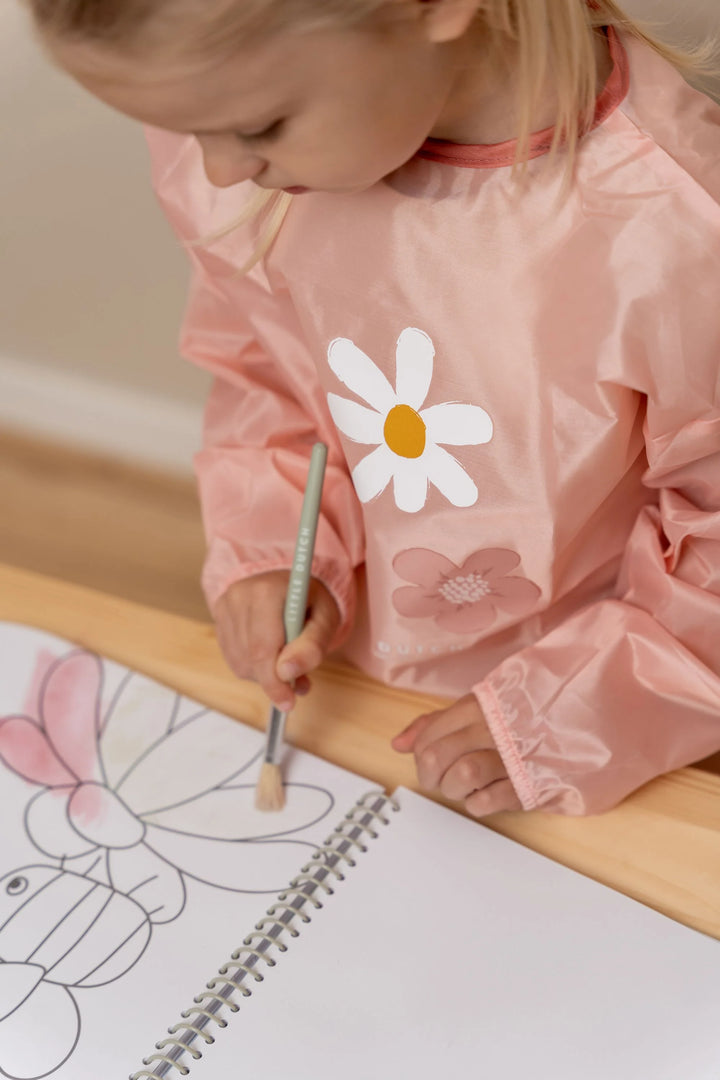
(266, 135)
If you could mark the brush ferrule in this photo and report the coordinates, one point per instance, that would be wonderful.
(275, 735)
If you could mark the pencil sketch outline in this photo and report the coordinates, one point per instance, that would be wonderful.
(120, 840)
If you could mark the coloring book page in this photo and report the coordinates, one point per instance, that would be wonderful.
(452, 953)
(132, 858)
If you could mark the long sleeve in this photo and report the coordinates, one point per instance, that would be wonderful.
(525, 390)
(264, 412)
(629, 687)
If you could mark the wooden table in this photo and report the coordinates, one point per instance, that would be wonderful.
(661, 846)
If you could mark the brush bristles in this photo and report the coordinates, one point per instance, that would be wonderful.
(270, 793)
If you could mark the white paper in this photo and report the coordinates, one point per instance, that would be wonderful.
(132, 860)
(452, 952)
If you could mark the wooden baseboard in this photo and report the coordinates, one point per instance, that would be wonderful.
(102, 418)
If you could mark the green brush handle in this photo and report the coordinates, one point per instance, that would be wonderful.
(299, 583)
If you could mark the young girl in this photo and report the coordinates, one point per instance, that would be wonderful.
(494, 295)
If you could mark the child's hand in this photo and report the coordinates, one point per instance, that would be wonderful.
(455, 755)
(249, 619)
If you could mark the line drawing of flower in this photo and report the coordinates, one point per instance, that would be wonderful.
(464, 599)
(122, 834)
(406, 436)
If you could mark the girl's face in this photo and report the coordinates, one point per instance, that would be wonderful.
(331, 110)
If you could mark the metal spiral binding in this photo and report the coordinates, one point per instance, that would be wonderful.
(289, 906)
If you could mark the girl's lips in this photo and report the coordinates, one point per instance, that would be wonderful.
(295, 190)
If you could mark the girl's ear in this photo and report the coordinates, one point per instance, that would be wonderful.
(446, 20)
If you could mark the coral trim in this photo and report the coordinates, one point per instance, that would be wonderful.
(500, 155)
(505, 745)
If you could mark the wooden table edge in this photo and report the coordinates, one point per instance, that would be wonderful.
(660, 846)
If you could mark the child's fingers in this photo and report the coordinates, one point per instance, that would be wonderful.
(465, 712)
(264, 648)
(435, 725)
(252, 636)
(493, 799)
(470, 773)
(445, 755)
(309, 648)
(404, 741)
(280, 692)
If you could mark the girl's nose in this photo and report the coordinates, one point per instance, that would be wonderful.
(228, 162)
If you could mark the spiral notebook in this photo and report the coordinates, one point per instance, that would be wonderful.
(154, 924)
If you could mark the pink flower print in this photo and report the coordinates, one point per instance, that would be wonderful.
(463, 599)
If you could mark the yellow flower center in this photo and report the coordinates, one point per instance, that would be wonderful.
(404, 431)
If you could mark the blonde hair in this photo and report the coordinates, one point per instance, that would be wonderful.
(548, 39)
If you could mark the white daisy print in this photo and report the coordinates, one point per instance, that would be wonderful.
(406, 436)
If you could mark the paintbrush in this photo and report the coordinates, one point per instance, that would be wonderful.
(269, 793)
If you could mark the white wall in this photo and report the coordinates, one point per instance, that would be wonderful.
(91, 277)
(91, 280)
